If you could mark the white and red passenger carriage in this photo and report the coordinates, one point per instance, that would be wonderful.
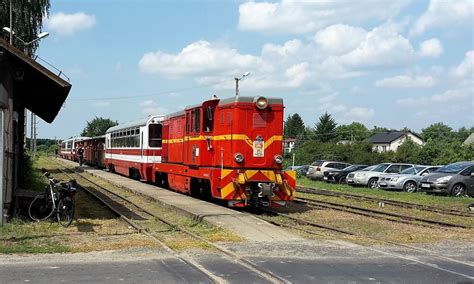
(69, 147)
(131, 149)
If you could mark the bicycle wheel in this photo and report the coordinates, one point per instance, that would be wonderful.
(41, 207)
(65, 211)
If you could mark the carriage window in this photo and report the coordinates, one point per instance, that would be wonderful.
(154, 133)
(128, 132)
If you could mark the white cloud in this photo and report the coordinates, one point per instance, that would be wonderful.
(149, 107)
(69, 24)
(359, 114)
(461, 96)
(119, 67)
(403, 81)
(339, 39)
(466, 67)
(198, 58)
(382, 47)
(444, 14)
(290, 16)
(431, 48)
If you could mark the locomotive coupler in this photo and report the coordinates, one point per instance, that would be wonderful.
(265, 193)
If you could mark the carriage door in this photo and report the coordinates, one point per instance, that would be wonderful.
(192, 140)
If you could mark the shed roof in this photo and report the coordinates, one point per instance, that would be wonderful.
(388, 136)
(40, 90)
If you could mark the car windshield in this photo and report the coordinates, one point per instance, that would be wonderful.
(351, 168)
(369, 168)
(317, 163)
(380, 168)
(453, 168)
(412, 170)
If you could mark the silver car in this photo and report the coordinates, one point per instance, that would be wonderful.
(370, 178)
(316, 170)
(408, 179)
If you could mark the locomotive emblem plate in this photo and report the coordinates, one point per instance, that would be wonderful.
(258, 148)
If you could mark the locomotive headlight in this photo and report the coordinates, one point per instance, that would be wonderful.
(261, 102)
(278, 159)
(239, 158)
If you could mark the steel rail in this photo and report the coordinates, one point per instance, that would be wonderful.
(268, 275)
(319, 191)
(377, 213)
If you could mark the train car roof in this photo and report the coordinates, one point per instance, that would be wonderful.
(136, 123)
(76, 138)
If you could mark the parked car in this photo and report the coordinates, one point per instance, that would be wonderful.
(370, 178)
(339, 176)
(456, 179)
(300, 170)
(317, 170)
(408, 179)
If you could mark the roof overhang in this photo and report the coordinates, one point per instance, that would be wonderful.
(40, 90)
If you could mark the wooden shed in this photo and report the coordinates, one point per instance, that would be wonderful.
(24, 83)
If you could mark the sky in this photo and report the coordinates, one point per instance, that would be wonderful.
(382, 63)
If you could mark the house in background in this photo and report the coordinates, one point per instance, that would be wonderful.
(469, 140)
(288, 144)
(391, 140)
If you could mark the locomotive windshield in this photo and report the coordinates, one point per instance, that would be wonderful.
(154, 132)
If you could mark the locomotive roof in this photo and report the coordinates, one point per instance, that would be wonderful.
(136, 123)
(228, 101)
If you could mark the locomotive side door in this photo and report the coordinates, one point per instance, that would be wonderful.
(192, 139)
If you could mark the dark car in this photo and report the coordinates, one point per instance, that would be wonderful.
(339, 176)
(455, 179)
(300, 170)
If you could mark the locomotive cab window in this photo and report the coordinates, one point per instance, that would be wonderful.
(207, 124)
(196, 118)
(154, 135)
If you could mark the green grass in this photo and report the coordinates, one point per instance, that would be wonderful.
(459, 203)
(19, 236)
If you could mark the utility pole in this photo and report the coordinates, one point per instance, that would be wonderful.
(11, 23)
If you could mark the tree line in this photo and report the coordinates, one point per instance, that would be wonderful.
(349, 143)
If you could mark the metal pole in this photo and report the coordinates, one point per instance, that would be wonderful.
(34, 139)
(11, 23)
(31, 132)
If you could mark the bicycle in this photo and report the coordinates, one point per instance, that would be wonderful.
(57, 198)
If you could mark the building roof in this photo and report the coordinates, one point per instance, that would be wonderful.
(469, 140)
(388, 136)
(40, 90)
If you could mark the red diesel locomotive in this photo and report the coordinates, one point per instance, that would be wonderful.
(228, 149)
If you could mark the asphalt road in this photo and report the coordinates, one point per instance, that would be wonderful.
(172, 270)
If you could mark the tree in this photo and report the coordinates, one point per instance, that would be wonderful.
(294, 126)
(355, 131)
(437, 131)
(27, 18)
(325, 128)
(98, 126)
(407, 152)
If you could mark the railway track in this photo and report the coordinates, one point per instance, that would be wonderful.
(436, 261)
(116, 203)
(385, 201)
(377, 214)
